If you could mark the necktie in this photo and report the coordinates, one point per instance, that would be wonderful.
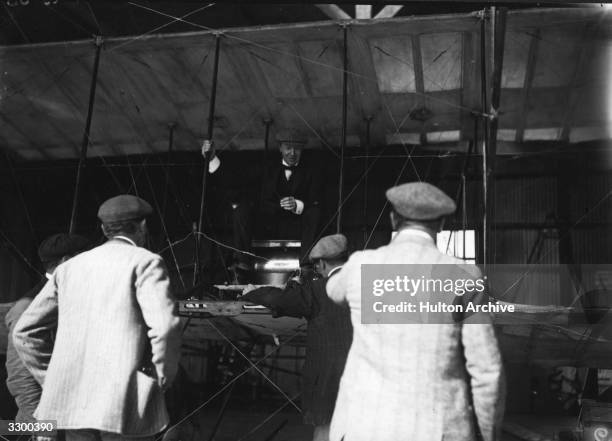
(288, 170)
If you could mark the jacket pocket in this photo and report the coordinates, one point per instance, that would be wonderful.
(145, 411)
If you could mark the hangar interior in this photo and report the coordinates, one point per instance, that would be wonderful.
(507, 109)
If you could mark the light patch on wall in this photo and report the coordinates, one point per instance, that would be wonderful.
(506, 134)
(544, 134)
(444, 136)
(133, 149)
(351, 141)
(580, 134)
(101, 150)
(403, 138)
(62, 153)
(30, 155)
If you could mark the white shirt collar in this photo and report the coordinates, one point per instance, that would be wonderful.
(414, 232)
(127, 239)
(334, 270)
(287, 165)
(48, 276)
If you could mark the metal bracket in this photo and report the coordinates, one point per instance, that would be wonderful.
(98, 40)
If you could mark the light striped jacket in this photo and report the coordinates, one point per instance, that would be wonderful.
(114, 315)
(415, 382)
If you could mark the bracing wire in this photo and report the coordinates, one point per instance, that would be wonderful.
(254, 366)
(233, 380)
(308, 60)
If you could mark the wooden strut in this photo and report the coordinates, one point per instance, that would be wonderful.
(498, 32)
(497, 19)
(211, 120)
(365, 179)
(85, 142)
(485, 136)
(267, 122)
(171, 127)
(344, 117)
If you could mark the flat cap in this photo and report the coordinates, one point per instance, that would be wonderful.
(291, 136)
(420, 201)
(329, 247)
(124, 207)
(55, 247)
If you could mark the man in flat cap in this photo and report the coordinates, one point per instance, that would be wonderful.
(289, 205)
(329, 330)
(419, 381)
(26, 391)
(117, 338)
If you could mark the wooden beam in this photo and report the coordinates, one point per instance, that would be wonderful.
(363, 12)
(364, 85)
(333, 11)
(532, 57)
(469, 84)
(64, 90)
(389, 11)
(498, 32)
(419, 82)
(120, 108)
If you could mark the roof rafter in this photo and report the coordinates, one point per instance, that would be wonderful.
(389, 11)
(333, 11)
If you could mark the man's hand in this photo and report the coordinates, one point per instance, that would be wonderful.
(208, 148)
(163, 383)
(288, 203)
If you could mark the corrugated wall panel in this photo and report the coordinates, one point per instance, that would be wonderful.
(591, 199)
(526, 199)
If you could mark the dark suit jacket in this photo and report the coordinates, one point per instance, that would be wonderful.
(20, 383)
(328, 341)
(235, 183)
(305, 184)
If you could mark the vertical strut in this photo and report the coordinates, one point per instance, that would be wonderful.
(344, 117)
(171, 127)
(211, 120)
(85, 140)
(365, 179)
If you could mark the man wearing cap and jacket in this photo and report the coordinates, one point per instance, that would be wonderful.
(117, 338)
(290, 196)
(329, 330)
(418, 381)
(21, 384)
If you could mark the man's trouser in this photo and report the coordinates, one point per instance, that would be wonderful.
(321, 433)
